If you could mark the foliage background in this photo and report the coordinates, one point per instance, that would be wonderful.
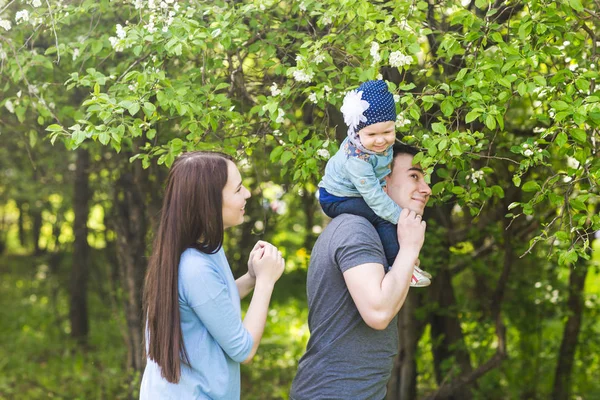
(99, 97)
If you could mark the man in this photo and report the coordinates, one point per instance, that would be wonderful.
(353, 303)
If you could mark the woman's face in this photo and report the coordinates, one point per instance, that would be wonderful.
(234, 197)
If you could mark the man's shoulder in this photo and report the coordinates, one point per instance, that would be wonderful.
(350, 223)
(348, 230)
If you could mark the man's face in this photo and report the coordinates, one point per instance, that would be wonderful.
(406, 184)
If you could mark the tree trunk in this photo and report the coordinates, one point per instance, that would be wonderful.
(36, 229)
(130, 226)
(568, 346)
(21, 224)
(446, 332)
(403, 382)
(78, 313)
(309, 205)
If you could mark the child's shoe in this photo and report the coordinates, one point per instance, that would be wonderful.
(422, 272)
(418, 279)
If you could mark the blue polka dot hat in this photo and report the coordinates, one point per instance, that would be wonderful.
(370, 104)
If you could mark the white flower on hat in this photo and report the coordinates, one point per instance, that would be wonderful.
(353, 109)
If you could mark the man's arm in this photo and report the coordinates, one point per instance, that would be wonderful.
(379, 296)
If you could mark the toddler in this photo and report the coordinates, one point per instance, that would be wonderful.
(354, 177)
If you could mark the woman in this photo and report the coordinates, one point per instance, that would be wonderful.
(195, 337)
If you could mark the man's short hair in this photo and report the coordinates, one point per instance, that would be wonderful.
(401, 148)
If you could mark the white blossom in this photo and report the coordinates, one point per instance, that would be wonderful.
(402, 121)
(319, 57)
(476, 176)
(525, 145)
(375, 52)
(275, 91)
(323, 153)
(396, 98)
(75, 54)
(22, 15)
(36, 3)
(326, 20)
(116, 44)
(528, 153)
(280, 116)
(121, 34)
(299, 58)
(303, 76)
(379, 77)
(302, 6)
(313, 97)
(327, 89)
(397, 59)
(139, 4)
(9, 106)
(572, 162)
(150, 27)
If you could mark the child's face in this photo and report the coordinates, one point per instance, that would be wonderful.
(378, 137)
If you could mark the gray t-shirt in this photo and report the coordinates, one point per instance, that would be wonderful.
(345, 358)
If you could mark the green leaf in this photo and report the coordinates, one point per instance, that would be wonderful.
(54, 128)
(133, 108)
(578, 205)
(561, 139)
(522, 88)
(559, 105)
(447, 107)
(276, 153)
(531, 186)
(458, 190)
(576, 5)
(579, 135)
(540, 80)
(438, 188)
(438, 127)
(286, 156)
(104, 137)
(472, 116)
(490, 122)
(504, 82)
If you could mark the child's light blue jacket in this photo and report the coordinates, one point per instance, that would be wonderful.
(352, 173)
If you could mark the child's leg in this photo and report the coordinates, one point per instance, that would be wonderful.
(357, 206)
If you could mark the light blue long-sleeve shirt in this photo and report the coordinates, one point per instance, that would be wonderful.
(214, 336)
(352, 173)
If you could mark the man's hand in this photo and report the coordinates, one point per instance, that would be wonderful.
(411, 230)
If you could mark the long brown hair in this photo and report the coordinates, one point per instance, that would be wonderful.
(191, 216)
